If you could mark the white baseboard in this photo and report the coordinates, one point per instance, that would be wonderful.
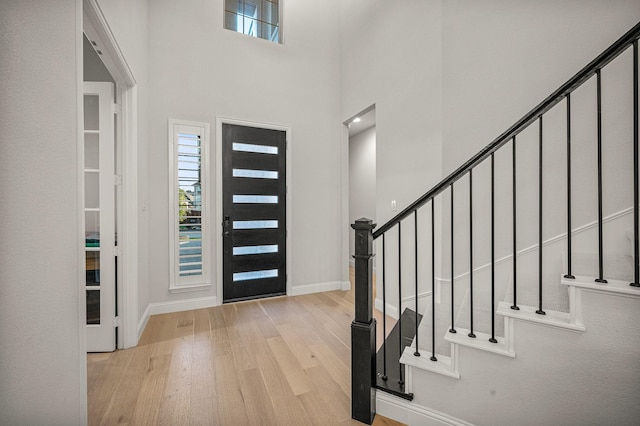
(143, 323)
(208, 302)
(413, 414)
(391, 310)
(319, 287)
(182, 305)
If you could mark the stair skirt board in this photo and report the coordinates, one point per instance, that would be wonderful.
(558, 302)
(397, 340)
(447, 365)
(614, 287)
(551, 318)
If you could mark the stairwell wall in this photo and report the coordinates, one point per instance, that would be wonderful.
(502, 58)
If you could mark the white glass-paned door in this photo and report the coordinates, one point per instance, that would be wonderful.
(99, 216)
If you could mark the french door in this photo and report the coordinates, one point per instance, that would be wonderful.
(254, 212)
(100, 221)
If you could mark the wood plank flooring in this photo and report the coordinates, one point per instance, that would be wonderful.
(278, 361)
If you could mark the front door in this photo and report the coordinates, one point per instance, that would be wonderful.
(254, 207)
(99, 213)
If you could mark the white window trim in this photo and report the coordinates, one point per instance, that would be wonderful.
(179, 284)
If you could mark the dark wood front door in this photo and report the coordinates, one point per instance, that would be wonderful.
(254, 212)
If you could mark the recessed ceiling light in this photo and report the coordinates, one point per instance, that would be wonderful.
(356, 120)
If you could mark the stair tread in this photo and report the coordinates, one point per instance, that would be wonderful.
(444, 364)
(611, 287)
(528, 313)
(481, 341)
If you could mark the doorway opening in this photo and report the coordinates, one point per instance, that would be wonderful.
(362, 169)
(104, 64)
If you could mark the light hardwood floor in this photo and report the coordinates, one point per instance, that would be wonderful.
(278, 361)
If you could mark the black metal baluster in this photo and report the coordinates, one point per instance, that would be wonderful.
(453, 325)
(493, 257)
(471, 334)
(417, 352)
(636, 232)
(401, 380)
(515, 249)
(433, 283)
(600, 278)
(569, 231)
(384, 313)
(540, 311)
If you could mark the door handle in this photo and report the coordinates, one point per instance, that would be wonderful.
(225, 226)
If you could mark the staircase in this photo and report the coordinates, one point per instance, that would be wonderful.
(523, 266)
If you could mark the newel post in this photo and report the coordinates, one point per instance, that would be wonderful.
(363, 328)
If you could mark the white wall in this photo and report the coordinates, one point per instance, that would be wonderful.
(200, 71)
(502, 58)
(362, 178)
(42, 367)
(391, 57)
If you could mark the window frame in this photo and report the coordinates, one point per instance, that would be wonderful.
(179, 283)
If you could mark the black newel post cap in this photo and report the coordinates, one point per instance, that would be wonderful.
(363, 223)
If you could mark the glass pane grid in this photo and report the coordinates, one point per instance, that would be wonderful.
(189, 163)
(189, 205)
(256, 18)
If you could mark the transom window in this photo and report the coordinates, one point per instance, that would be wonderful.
(256, 18)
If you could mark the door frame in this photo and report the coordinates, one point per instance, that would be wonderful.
(217, 152)
(95, 25)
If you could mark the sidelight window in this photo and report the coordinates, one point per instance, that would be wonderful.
(188, 204)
